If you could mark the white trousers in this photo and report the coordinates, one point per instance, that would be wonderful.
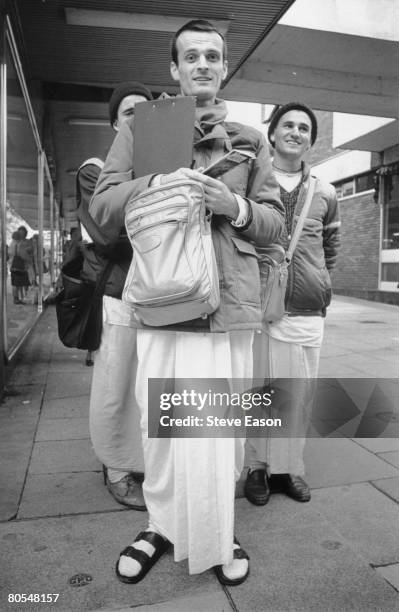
(189, 483)
(114, 414)
(275, 358)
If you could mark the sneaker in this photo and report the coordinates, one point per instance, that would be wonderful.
(127, 492)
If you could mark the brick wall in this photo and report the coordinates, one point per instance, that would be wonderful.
(356, 272)
(323, 149)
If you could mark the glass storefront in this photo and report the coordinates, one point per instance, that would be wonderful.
(29, 214)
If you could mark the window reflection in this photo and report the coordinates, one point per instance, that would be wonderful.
(21, 213)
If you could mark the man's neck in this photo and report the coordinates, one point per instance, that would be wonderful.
(286, 164)
(205, 103)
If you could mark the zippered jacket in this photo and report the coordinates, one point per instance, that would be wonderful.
(309, 284)
(236, 256)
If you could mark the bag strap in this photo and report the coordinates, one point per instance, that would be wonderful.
(100, 285)
(301, 220)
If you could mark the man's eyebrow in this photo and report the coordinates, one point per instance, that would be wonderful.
(208, 50)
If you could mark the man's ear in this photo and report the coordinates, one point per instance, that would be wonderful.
(174, 71)
(225, 69)
(115, 125)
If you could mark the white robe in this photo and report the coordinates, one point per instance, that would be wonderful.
(189, 483)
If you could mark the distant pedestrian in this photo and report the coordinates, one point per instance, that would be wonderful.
(18, 267)
(26, 251)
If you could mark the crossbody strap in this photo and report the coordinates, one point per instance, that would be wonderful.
(100, 285)
(301, 220)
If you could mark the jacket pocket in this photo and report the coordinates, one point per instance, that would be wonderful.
(326, 286)
(246, 272)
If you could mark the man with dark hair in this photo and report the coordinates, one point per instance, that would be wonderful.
(114, 423)
(290, 348)
(189, 483)
(197, 25)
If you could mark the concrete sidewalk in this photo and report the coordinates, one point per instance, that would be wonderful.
(60, 528)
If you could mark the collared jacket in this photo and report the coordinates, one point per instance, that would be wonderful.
(309, 283)
(98, 252)
(236, 256)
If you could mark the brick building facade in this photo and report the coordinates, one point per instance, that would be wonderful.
(369, 205)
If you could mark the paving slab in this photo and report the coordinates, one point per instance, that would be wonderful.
(379, 445)
(374, 367)
(338, 367)
(62, 429)
(389, 486)
(71, 384)
(41, 556)
(68, 360)
(304, 566)
(392, 457)
(205, 602)
(16, 441)
(337, 461)
(59, 494)
(63, 456)
(365, 518)
(390, 573)
(22, 398)
(66, 408)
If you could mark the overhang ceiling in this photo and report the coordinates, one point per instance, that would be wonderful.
(327, 70)
(76, 66)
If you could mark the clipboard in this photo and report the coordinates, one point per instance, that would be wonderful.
(163, 132)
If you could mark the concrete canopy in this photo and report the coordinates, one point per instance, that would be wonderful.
(336, 55)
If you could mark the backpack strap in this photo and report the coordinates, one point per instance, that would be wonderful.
(301, 220)
(102, 281)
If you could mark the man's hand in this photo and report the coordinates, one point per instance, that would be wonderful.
(218, 197)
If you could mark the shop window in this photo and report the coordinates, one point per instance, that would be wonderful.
(345, 188)
(21, 212)
(390, 272)
(365, 182)
(357, 184)
(390, 238)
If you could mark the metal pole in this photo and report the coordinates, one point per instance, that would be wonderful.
(40, 192)
(3, 201)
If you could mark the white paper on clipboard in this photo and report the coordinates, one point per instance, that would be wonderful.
(163, 133)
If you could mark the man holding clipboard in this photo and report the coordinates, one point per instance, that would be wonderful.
(190, 483)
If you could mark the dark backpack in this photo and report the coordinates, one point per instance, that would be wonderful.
(79, 304)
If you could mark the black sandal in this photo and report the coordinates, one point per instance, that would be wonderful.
(158, 542)
(238, 553)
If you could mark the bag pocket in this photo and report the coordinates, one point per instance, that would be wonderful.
(161, 267)
(79, 318)
(273, 279)
(246, 272)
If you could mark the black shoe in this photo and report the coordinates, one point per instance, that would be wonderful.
(293, 486)
(256, 488)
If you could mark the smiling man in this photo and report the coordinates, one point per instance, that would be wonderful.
(290, 348)
(190, 483)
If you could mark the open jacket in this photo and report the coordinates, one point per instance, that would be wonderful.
(309, 284)
(236, 257)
